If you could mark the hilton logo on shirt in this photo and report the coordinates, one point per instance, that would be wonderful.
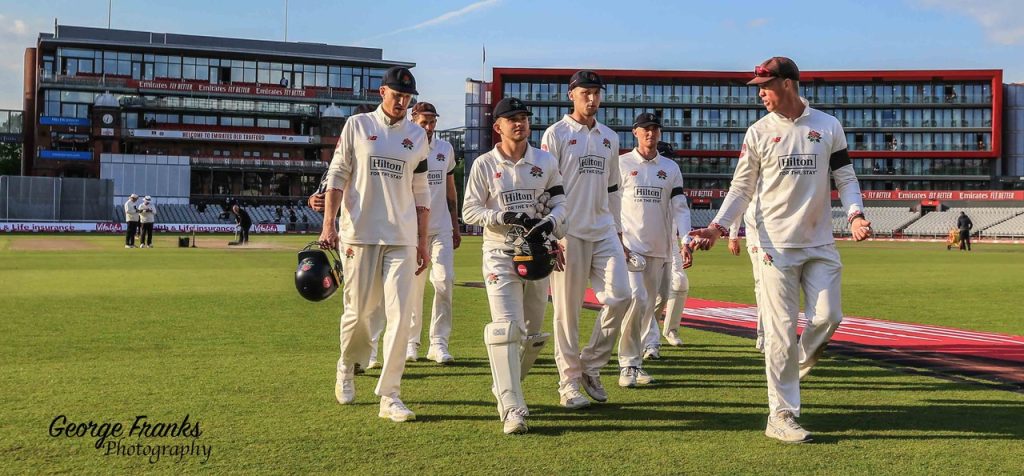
(435, 177)
(387, 167)
(591, 164)
(798, 164)
(516, 200)
(647, 194)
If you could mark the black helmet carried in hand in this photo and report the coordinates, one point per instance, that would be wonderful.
(534, 259)
(316, 278)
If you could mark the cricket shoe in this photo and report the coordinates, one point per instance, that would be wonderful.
(373, 364)
(642, 377)
(129, 246)
(673, 338)
(392, 408)
(572, 398)
(592, 385)
(627, 377)
(412, 352)
(652, 353)
(783, 427)
(440, 355)
(345, 387)
(515, 422)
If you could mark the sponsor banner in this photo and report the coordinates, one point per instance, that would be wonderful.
(940, 195)
(224, 136)
(261, 90)
(65, 155)
(62, 121)
(110, 227)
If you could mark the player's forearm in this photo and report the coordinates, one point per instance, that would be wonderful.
(332, 203)
(849, 190)
(422, 220)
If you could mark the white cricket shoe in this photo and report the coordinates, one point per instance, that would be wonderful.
(345, 387)
(673, 339)
(129, 246)
(392, 408)
(783, 427)
(573, 399)
(412, 352)
(642, 377)
(627, 377)
(652, 353)
(373, 364)
(440, 355)
(592, 385)
(515, 422)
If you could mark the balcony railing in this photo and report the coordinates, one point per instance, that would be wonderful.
(611, 98)
(260, 163)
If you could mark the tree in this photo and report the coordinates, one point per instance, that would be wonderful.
(10, 159)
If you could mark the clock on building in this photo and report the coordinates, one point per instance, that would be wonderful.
(108, 119)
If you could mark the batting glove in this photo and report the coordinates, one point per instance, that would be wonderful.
(511, 218)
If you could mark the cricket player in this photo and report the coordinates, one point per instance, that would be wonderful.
(443, 239)
(505, 188)
(588, 157)
(654, 213)
(147, 215)
(378, 178)
(131, 217)
(753, 253)
(675, 287)
(785, 164)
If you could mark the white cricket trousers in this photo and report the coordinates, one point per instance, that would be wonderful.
(644, 286)
(442, 277)
(675, 287)
(603, 262)
(377, 276)
(782, 274)
(755, 260)
(511, 298)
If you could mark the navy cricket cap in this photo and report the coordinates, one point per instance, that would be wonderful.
(775, 67)
(646, 119)
(509, 107)
(585, 79)
(400, 79)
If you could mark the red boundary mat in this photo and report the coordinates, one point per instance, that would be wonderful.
(984, 355)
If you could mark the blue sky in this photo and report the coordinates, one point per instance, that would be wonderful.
(445, 37)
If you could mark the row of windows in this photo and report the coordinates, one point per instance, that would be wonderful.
(11, 122)
(675, 117)
(248, 154)
(831, 93)
(74, 62)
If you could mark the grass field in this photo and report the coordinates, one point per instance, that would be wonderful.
(96, 332)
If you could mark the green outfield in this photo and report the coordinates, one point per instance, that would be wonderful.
(99, 333)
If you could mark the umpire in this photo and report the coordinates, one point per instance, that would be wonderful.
(963, 222)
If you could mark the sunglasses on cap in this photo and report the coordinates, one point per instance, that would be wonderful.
(762, 72)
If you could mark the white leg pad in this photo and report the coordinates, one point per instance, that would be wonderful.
(503, 341)
(532, 346)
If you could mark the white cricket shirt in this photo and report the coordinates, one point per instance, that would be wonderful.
(131, 213)
(589, 161)
(497, 185)
(652, 202)
(440, 164)
(783, 174)
(147, 212)
(382, 170)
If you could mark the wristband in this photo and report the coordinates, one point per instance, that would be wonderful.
(723, 231)
(853, 216)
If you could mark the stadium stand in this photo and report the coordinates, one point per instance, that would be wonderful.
(939, 223)
(885, 221)
(1012, 228)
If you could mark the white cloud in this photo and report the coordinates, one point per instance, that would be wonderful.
(15, 36)
(440, 19)
(1002, 20)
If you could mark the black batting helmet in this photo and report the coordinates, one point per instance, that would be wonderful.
(316, 278)
(534, 260)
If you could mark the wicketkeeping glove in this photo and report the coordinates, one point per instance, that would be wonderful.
(512, 218)
(539, 228)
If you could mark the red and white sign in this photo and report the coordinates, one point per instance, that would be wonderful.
(261, 90)
(219, 136)
(110, 227)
